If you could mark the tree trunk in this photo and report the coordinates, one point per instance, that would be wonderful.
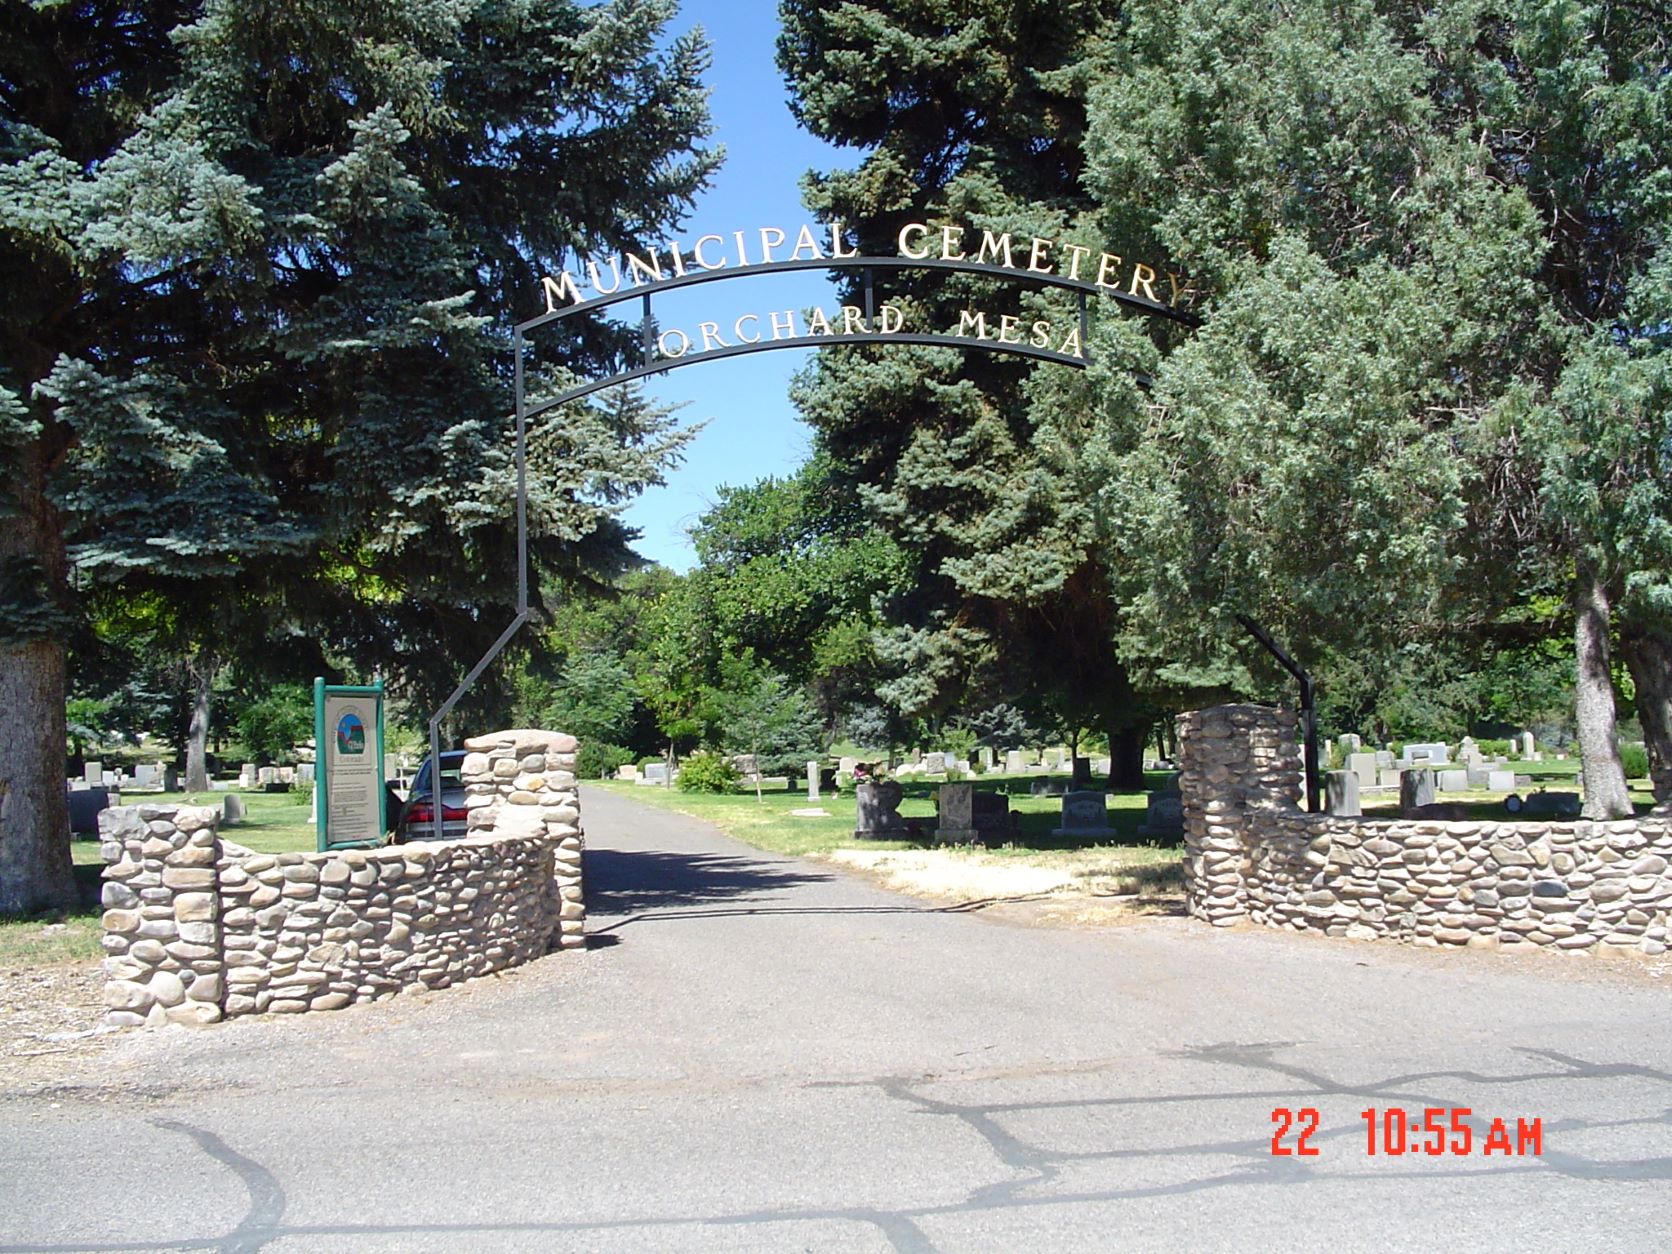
(1648, 656)
(1601, 776)
(202, 671)
(1126, 760)
(35, 868)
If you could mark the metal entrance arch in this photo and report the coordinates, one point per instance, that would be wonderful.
(651, 364)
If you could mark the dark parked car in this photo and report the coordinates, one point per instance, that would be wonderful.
(417, 817)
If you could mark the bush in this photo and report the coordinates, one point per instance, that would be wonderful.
(1498, 748)
(301, 792)
(706, 772)
(599, 759)
(1635, 760)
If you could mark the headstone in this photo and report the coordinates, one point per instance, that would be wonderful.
(85, 805)
(1426, 754)
(628, 772)
(916, 756)
(1015, 762)
(1383, 759)
(986, 758)
(1416, 788)
(1350, 744)
(304, 772)
(1363, 765)
(654, 773)
(1500, 781)
(1053, 759)
(93, 773)
(746, 765)
(877, 812)
(248, 775)
(1453, 781)
(287, 775)
(145, 775)
(990, 812)
(1164, 816)
(957, 814)
(1048, 787)
(934, 764)
(1084, 814)
(1529, 746)
(1343, 791)
(812, 780)
(846, 767)
(1561, 805)
(171, 778)
(232, 808)
(1100, 767)
(79, 785)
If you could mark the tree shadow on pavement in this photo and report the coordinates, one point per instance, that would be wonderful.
(628, 882)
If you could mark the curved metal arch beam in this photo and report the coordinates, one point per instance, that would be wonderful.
(721, 273)
(663, 364)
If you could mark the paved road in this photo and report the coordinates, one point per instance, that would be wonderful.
(759, 1053)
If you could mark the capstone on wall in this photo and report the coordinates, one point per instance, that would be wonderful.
(1252, 855)
(198, 929)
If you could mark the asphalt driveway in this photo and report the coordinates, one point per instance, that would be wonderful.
(762, 1053)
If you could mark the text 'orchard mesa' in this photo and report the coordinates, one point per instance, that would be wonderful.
(850, 320)
(916, 241)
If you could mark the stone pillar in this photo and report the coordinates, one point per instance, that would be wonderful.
(162, 928)
(522, 782)
(1232, 759)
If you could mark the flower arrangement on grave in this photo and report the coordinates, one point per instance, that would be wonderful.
(870, 773)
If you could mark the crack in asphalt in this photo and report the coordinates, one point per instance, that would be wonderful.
(1037, 1166)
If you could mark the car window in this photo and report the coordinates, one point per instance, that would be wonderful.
(451, 775)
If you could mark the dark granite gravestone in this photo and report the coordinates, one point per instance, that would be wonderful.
(1416, 788)
(85, 805)
(877, 811)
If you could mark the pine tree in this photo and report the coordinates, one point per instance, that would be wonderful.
(971, 114)
(266, 259)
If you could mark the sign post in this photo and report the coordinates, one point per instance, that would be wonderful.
(350, 800)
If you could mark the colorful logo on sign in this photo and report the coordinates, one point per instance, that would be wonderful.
(351, 735)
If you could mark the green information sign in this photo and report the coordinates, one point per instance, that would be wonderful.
(349, 807)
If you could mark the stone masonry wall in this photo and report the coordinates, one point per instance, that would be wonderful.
(1231, 758)
(522, 782)
(162, 933)
(1251, 853)
(197, 929)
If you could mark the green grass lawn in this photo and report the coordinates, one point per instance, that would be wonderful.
(768, 823)
(273, 822)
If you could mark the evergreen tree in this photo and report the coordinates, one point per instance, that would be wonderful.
(263, 261)
(972, 113)
(1433, 242)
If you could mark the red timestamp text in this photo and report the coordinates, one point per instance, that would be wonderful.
(1434, 1130)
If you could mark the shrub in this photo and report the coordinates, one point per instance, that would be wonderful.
(1498, 748)
(599, 759)
(1635, 760)
(301, 792)
(706, 772)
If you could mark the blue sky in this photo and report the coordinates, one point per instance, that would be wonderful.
(752, 430)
